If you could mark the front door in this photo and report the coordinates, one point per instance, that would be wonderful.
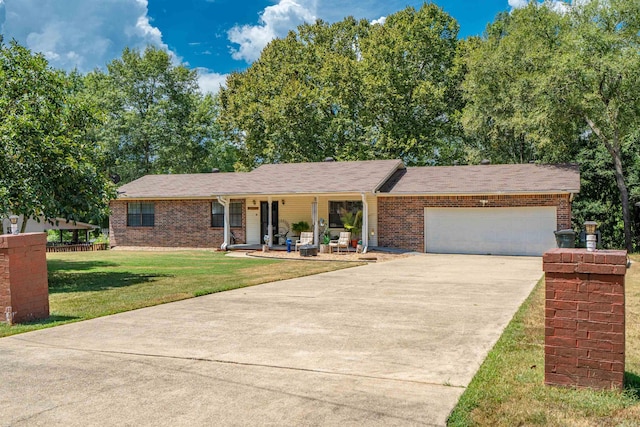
(264, 219)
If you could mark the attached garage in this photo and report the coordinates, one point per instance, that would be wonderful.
(490, 231)
(486, 209)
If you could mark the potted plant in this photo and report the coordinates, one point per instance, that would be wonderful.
(352, 222)
(299, 227)
(325, 237)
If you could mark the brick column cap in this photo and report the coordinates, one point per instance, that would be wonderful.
(8, 241)
(565, 260)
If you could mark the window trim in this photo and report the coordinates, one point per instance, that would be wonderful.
(345, 205)
(142, 217)
(235, 214)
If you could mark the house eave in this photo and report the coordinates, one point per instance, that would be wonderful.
(353, 193)
(479, 193)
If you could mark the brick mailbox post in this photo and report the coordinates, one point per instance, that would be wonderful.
(584, 318)
(24, 291)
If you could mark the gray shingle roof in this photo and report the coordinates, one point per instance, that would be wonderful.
(385, 176)
(288, 178)
(485, 179)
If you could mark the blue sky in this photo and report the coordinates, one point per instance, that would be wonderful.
(214, 36)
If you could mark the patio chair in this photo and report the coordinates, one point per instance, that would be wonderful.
(306, 238)
(343, 241)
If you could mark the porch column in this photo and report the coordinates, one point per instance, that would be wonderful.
(270, 226)
(314, 220)
(365, 224)
(225, 204)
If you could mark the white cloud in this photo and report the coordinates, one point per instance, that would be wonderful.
(210, 82)
(560, 6)
(275, 21)
(79, 33)
(380, 20)
(516, 4)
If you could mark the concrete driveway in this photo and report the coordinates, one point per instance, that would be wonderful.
(393, 343)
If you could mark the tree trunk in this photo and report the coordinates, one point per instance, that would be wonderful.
(614, 150)
(23, 227)
(624, 196)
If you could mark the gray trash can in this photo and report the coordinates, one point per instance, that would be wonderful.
(565, 238)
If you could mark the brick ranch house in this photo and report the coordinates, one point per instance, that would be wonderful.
(486, 209)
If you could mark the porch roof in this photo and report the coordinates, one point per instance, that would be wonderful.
(485, 179)
(276, 179)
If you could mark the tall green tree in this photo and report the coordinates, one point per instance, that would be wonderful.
(301, 100)
(542, 83)
(48, 165)
(412, 85)
(157, 121)
(350, 90)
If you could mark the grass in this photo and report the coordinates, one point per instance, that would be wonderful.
(508, 389)
(84, 285)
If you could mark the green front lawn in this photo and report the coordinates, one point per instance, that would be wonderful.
(84, 285)
(508, 390)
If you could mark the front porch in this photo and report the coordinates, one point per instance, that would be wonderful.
(270, 219)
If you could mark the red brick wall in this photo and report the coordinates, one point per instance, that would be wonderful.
(584, 318)
(401, 219)
(24, 287)
(178, 223)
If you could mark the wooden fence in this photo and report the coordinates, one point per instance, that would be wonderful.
(80, 247)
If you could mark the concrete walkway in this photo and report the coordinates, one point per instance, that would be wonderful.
(393, 343)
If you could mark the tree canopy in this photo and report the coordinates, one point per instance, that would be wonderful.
(48, 166)
(349, 90)
(156, 119)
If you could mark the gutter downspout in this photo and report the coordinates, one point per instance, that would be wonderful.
(314, 219)
(270, 219)
(225, 204)
(365, 224)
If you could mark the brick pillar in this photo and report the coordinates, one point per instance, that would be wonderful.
(24, 291)
(584, 318)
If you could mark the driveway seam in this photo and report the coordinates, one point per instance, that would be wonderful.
(231, 362)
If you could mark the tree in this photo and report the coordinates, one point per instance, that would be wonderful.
(350, 90)
(601, 84)
(548, 82)
(301, 99)
(156, 119)
(411, 84)
(48, 167)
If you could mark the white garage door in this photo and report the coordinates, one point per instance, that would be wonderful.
(496, 231)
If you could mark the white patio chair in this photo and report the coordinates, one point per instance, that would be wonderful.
(306, 238)
(343, 241)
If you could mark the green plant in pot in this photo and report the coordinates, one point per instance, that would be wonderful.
(299, 227)
(352, 222)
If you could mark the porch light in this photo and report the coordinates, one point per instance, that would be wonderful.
(14, 224)
(590, 228)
